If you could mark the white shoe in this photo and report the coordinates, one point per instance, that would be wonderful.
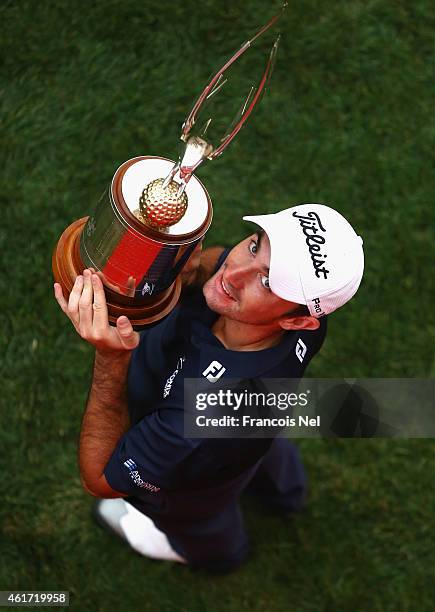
(135, 528)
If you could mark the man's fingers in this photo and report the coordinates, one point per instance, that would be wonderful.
(129, 338)
(87, 309)
(58, 294)
(131, 286)
(73, 302)
(74, 296)
(85, 305)
(101, 317)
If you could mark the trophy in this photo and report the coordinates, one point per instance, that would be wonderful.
(154, 214)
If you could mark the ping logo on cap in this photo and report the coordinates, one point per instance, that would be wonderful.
(311, 225)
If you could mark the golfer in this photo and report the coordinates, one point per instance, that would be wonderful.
(261, 313)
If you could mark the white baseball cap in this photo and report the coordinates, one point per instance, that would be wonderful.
(316, 257)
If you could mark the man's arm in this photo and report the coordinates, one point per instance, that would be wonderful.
(104, 422)
(208, 263)
(200, 267)
(106, 417)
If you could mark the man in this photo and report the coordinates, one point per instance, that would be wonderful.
(261, 314)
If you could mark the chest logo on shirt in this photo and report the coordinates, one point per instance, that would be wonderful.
(300, 350)
(214, 371)
(168, 383)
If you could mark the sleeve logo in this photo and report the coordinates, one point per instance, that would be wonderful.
(135, 476)
(168, 385)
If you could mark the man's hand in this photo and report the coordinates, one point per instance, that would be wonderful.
(87, 311)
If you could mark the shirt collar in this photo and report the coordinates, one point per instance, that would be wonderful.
(238, 363)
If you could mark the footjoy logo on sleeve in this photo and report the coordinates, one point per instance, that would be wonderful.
(134, 474)
(311, 225)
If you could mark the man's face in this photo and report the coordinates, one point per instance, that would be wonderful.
(240, 288)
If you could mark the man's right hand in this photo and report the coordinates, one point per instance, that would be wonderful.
(87, 311)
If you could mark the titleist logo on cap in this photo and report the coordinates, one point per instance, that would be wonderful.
(311, 226)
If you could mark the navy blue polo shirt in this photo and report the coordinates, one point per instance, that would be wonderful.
(189, 487)
(154, 455)
(153, 462)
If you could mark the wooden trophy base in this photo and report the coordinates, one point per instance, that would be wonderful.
(67, 265)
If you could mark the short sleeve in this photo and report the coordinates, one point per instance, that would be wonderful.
(147, 456)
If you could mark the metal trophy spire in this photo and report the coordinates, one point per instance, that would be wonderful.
(162, 204)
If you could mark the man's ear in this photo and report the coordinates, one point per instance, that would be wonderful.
(304, 322)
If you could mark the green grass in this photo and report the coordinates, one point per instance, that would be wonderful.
(348, 121)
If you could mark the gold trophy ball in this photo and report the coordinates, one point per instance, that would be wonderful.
(161, 208)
